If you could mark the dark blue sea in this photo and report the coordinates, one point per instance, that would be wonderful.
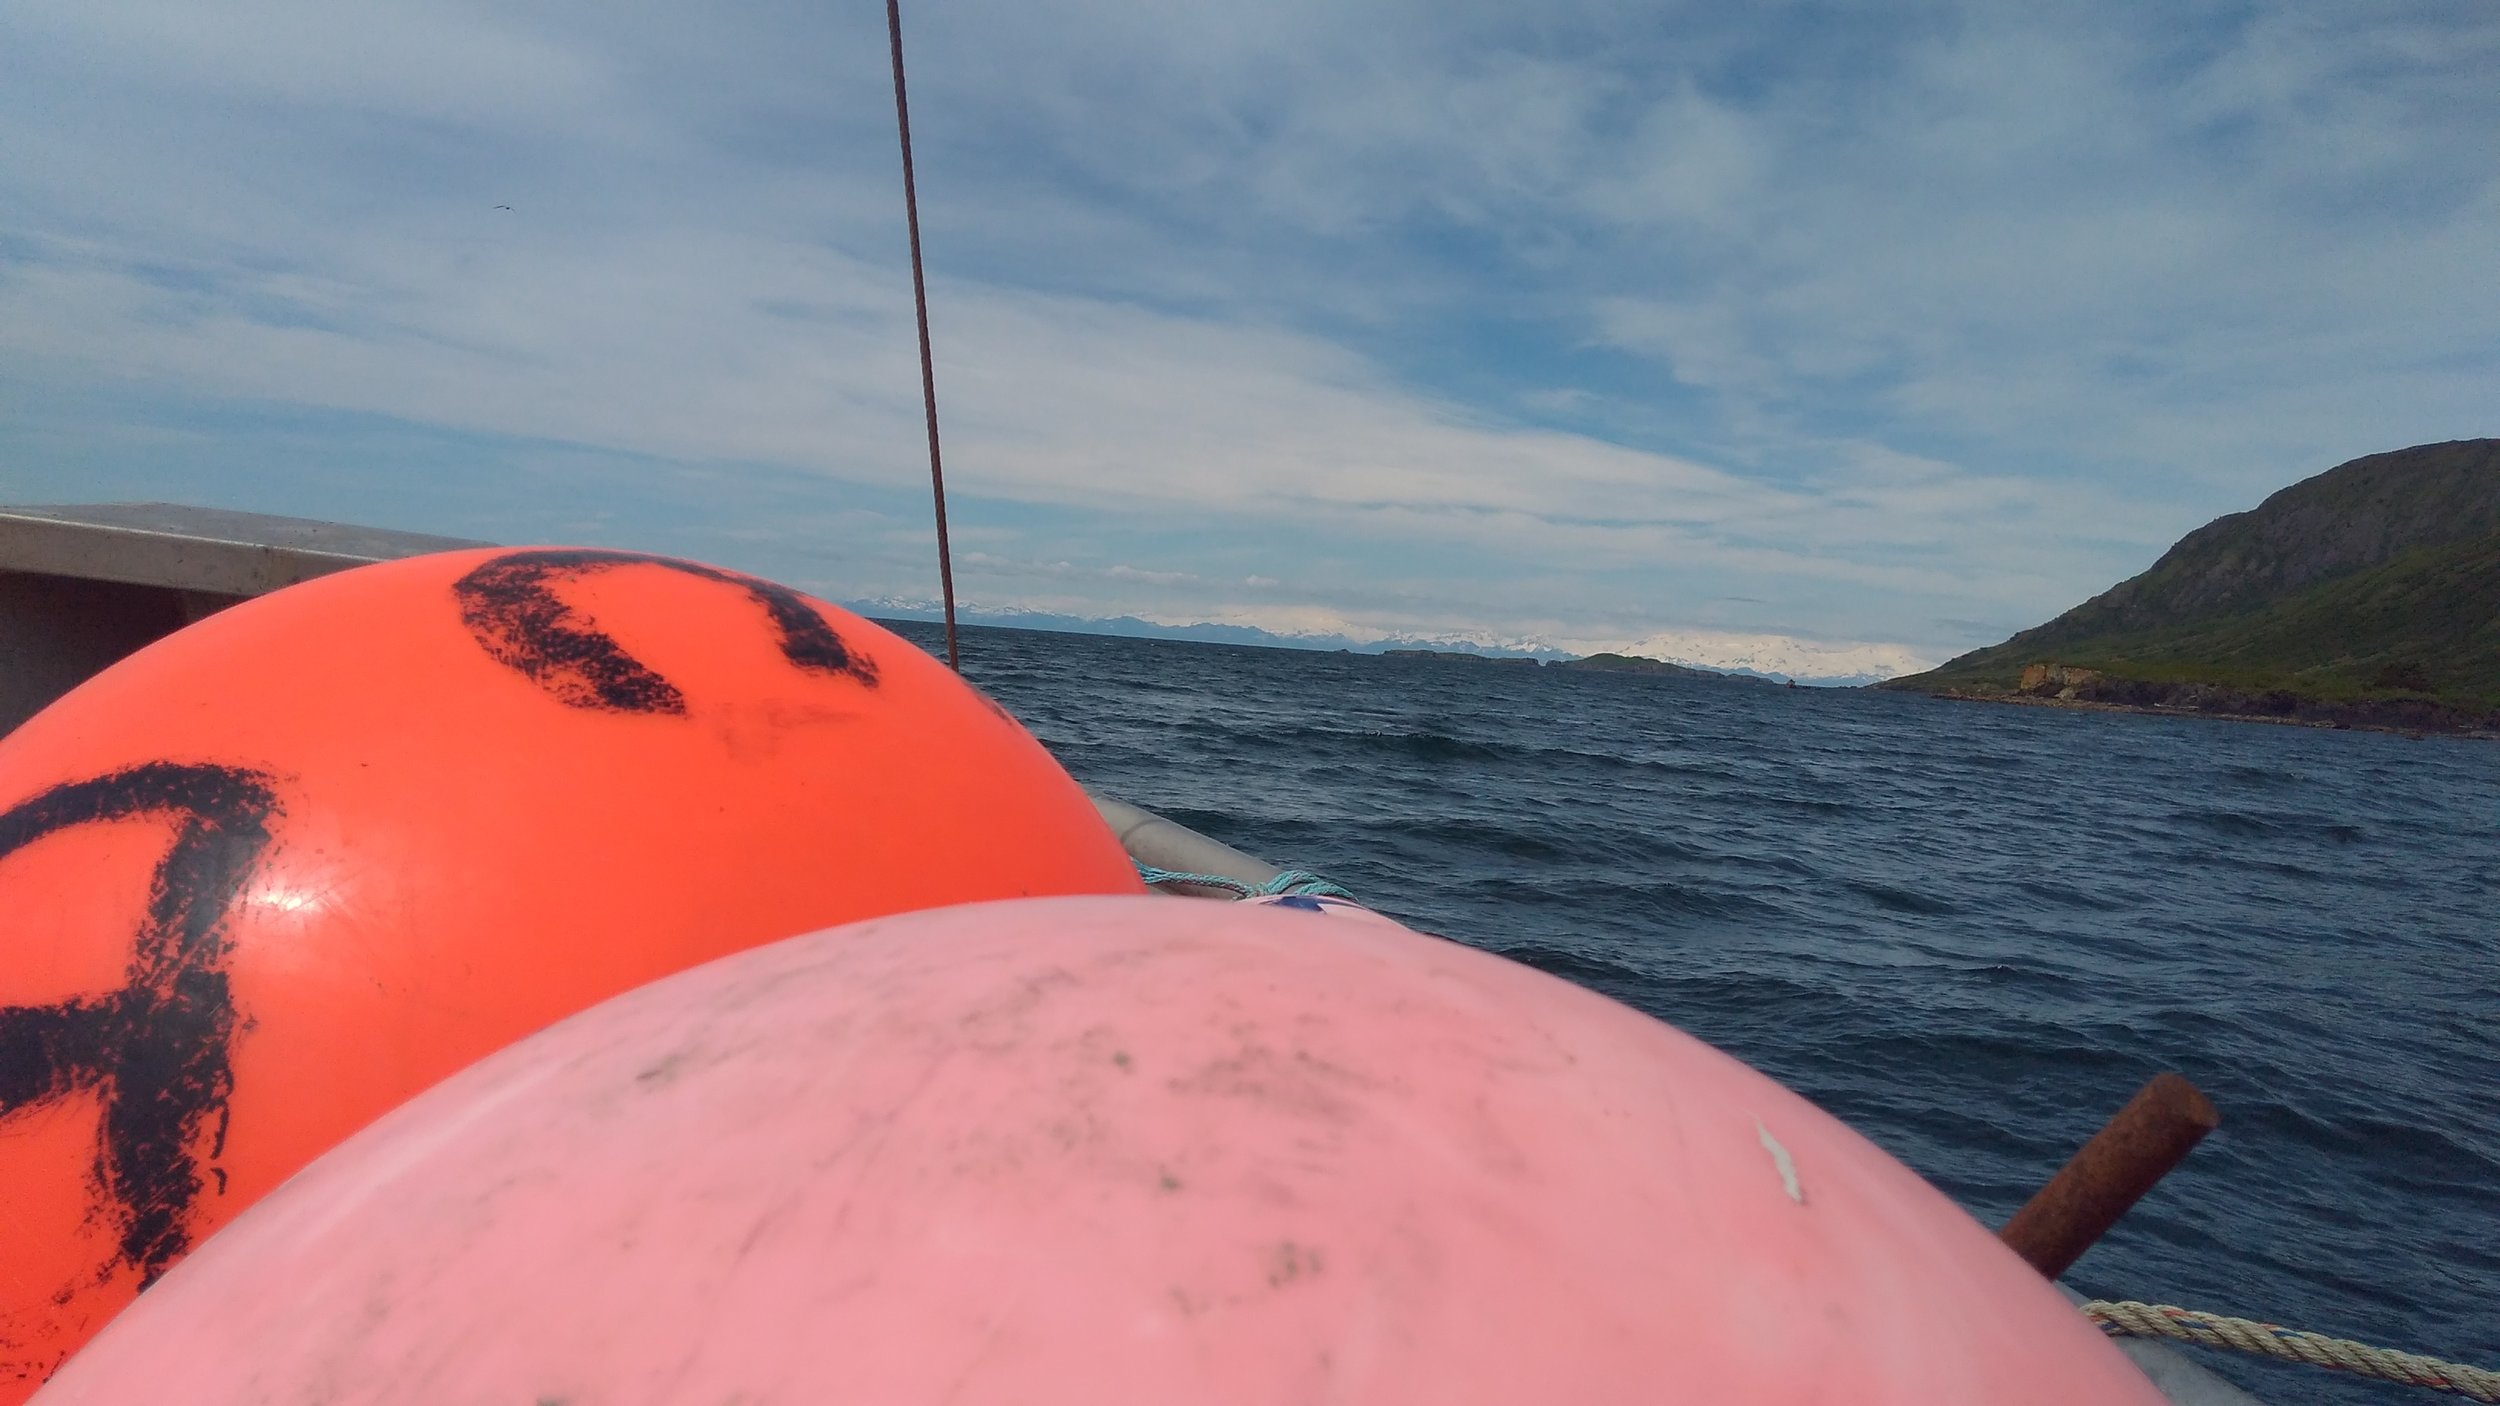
(1971, 931)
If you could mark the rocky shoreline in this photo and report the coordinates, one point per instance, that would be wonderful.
(2065, 686)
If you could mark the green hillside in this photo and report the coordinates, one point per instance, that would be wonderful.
(2377, 580)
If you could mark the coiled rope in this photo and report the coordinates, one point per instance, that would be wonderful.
(1291, 881)
(2125, 1318)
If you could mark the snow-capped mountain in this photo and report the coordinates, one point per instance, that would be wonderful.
(1773, 656)
(1780, 657)
(1212, 631)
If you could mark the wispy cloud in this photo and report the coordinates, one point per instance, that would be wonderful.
(1599, 319)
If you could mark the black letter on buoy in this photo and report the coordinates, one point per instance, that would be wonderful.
(510, 605)
(156, 1051)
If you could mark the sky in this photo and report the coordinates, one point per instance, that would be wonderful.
(1881, 330)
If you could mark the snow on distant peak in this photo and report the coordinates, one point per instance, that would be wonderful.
(1772, 656)
(1778, 656)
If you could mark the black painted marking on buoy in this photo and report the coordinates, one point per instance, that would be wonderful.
(511, 608)
(158, 1051)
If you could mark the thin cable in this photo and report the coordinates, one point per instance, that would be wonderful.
(920, 305)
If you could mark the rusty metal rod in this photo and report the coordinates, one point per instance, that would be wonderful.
(2110, 1173)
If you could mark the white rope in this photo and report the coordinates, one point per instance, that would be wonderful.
(2161, 1320)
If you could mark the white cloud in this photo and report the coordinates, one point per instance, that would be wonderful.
(1841, 327)
(440, 62)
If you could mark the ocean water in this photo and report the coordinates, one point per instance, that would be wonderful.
(1970, 931)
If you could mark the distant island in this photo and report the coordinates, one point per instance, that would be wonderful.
(1594, 663)
(1458, 654)
(1777, 659)
(1636, 664)
(2367, 596)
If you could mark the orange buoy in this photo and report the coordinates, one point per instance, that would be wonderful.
(1108, 1152)
(268, 877)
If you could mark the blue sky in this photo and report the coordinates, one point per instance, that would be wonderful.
(1901, 325)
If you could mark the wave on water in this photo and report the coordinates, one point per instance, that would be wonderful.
(1971, 932)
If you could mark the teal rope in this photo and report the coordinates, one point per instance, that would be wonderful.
(1300, 881)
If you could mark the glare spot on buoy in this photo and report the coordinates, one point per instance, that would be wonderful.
(287, 898)
(1780, 1159)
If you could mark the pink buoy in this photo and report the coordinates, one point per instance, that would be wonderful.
(1109, 1151)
